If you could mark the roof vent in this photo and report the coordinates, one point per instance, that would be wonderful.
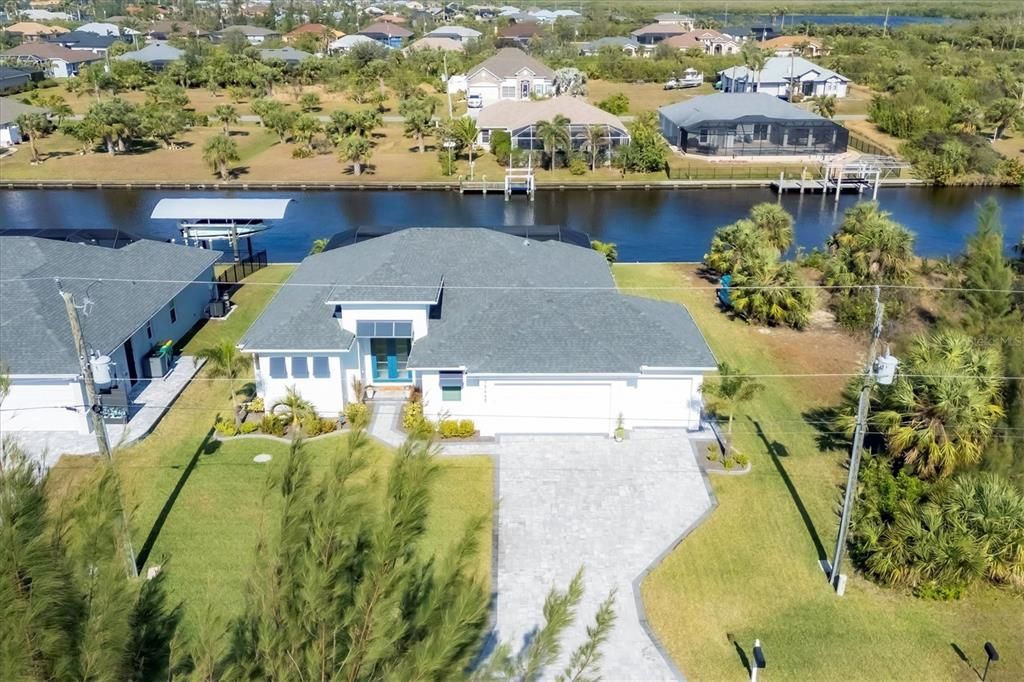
(526, 242)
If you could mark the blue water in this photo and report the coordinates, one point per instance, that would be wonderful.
(657, 225)
(829, 19)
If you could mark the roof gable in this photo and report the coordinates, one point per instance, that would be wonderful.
(509, 62)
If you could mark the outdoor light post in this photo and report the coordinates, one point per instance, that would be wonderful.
(449, 144)
(881, 371)
(758, 663)
(992, 656)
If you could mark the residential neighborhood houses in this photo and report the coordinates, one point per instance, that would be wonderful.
(511, 74)
(785, 77)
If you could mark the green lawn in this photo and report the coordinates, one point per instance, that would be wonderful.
(751, 570)
(199, 506)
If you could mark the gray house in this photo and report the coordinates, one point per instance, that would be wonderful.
(628, 45)
(12, 79)
(157, 55)
(289, 55)
(748, 124)
(129, 310)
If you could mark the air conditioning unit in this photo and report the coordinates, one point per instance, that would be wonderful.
(219, 307)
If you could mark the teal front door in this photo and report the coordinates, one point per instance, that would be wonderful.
(390, 359)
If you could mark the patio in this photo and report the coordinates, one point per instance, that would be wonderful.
(148, 406)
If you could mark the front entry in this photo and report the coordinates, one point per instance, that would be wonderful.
(391, 359)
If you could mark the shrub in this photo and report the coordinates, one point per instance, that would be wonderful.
(225, 427)
(728, 463)
(357, 415)
(578, 166)
(501, 146)
(311, 426)
(302, 153)
(466, 428)
(741, 460)
(250, 427)
(713, 453)
(256, 405)
(456, 428)
(415, 422)
(617, 104)
(272, 425)
(328, 425)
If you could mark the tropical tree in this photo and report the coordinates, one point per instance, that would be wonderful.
(218, 152)
(775, 224)
(34, 125)
(554, 135)
(163, 122)
(318, 246)
(768, 225)
(304, 129)
(465, 132)
(609, 250)
(570, 81)
(968, 117)
(93, 78)
(225, 361)
(226, 114)
(596, 141)
(991, 511)
(356, 150)
(824, 105)
(166, 92)
(419, 118)
(646, 151)
(308, 102)
(941, 411)
(767, 290)
(115, 121)
(266, 109)
(281, 121)
(58, 107)
(85, 132)
(727, 392)
(988, 277)
(1005, 113)
(754, 58)
(365, 122)
(294, 408)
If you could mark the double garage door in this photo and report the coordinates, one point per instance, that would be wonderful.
(550, 408)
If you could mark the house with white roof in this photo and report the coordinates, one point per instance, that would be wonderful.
(519, 335)
(102, 29)
(511, 74)
(346, 43)
(780, 73)
(135, 299)
(459, 34)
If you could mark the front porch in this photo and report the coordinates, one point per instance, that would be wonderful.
(148, 402)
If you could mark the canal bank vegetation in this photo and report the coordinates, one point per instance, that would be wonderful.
(937, 541)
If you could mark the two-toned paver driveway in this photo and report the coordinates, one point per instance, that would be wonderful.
(612, 508)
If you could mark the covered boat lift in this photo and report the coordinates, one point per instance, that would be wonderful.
(203, 221)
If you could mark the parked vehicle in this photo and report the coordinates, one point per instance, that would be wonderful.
(474, 101)
(691, 78)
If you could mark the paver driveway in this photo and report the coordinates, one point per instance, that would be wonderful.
(612, 508)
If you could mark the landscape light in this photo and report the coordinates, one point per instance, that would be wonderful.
(993, 655)
(758, 662)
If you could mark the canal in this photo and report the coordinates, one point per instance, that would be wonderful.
(654, 225)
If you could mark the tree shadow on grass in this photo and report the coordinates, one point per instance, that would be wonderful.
(965, 658)
(777, 451)
(207, 447)
(739, 651)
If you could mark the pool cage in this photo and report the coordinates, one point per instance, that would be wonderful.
(764, 138)
(526, 138)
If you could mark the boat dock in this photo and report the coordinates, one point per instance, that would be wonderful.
(517, 181)
(857, 175)
(818, 186)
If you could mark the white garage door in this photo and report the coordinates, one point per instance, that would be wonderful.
(550, 408)
(664, 402)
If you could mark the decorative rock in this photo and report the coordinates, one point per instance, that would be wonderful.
(261, 459)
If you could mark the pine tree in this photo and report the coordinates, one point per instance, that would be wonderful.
(988, 277)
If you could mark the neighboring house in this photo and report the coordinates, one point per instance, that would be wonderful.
(749, 124)
(706, 40)
(807, 78)
(346, 43)
(627, 45)
(520, 35)
(520, 119)
(511, 74)
(521, 336)
(393, 19)
(433, 43)
(13, 79)
(652, 34)
(387, 34)
(124, 319)
(57, 61)
(678, 19)
(10, 110)
(156, 55)
(784, 46)
(255, 35)
(102, 29)
(289, 55)
(30, 31)
(320, 31)
(45, 15)
(84, 40)
(162, 30)
(458, 33)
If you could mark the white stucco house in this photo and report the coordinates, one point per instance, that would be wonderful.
(10, 110)
(511, 74)
(124, 320)
(521, 336)
(808, 79)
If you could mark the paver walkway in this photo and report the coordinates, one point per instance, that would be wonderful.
(151, 403)
(612, 508)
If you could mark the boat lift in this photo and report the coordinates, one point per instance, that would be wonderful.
(204, 221)
(845, 175)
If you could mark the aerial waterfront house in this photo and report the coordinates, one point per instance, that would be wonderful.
(346, 43)
(748, 124)
(785, 77)
(784, 46)
(519, 335)
(511, 74)
(520, 120)
(122, 320)
(85, 41)
(435, 43)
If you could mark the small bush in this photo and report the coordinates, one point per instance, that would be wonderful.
(713, 453)
(225, 427)
(501, 146)
(728, 463)
(357, 415)
(617, 104)
(415, 422)
(578, 166)
(741, 460)
(466, 428)
(255, 405)
(456, 428)
(302, 153)
(328, 425)
(272, 425)
(250, 427)
(311, 426)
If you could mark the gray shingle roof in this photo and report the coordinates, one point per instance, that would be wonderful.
(509, 61)
(35, 337)
(781, 69)
(507, 306)
(154, 52)
(611, 41)
(11, 109)
(285, 54)
(733, 106)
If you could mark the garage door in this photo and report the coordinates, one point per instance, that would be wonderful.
(550, 408)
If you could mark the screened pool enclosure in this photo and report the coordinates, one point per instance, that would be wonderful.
(763, 138)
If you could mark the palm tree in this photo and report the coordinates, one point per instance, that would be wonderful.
(729, 391)
(754, 58)
(990, 510)
(225, 361)
(318, 246)
(596, 141)
(465, 132)
(767, 290)
(218, 152)
(355, 150)
(554, 135)
(1005, 113)
(824, 105)
(419, 118)
(305, 129)
(364, 122)
(968, 117)
(226, 114)
(775, 222)
(295, 408)
(871, 247)
(34, 126)
(939, 414)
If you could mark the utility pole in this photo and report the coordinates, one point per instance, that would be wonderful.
(99, 427)
(863, 406)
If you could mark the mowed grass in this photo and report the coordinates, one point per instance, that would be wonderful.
(751, 570)
(642, 96)
(198, 506)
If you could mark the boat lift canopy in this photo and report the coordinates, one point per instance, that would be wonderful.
(205, 220)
